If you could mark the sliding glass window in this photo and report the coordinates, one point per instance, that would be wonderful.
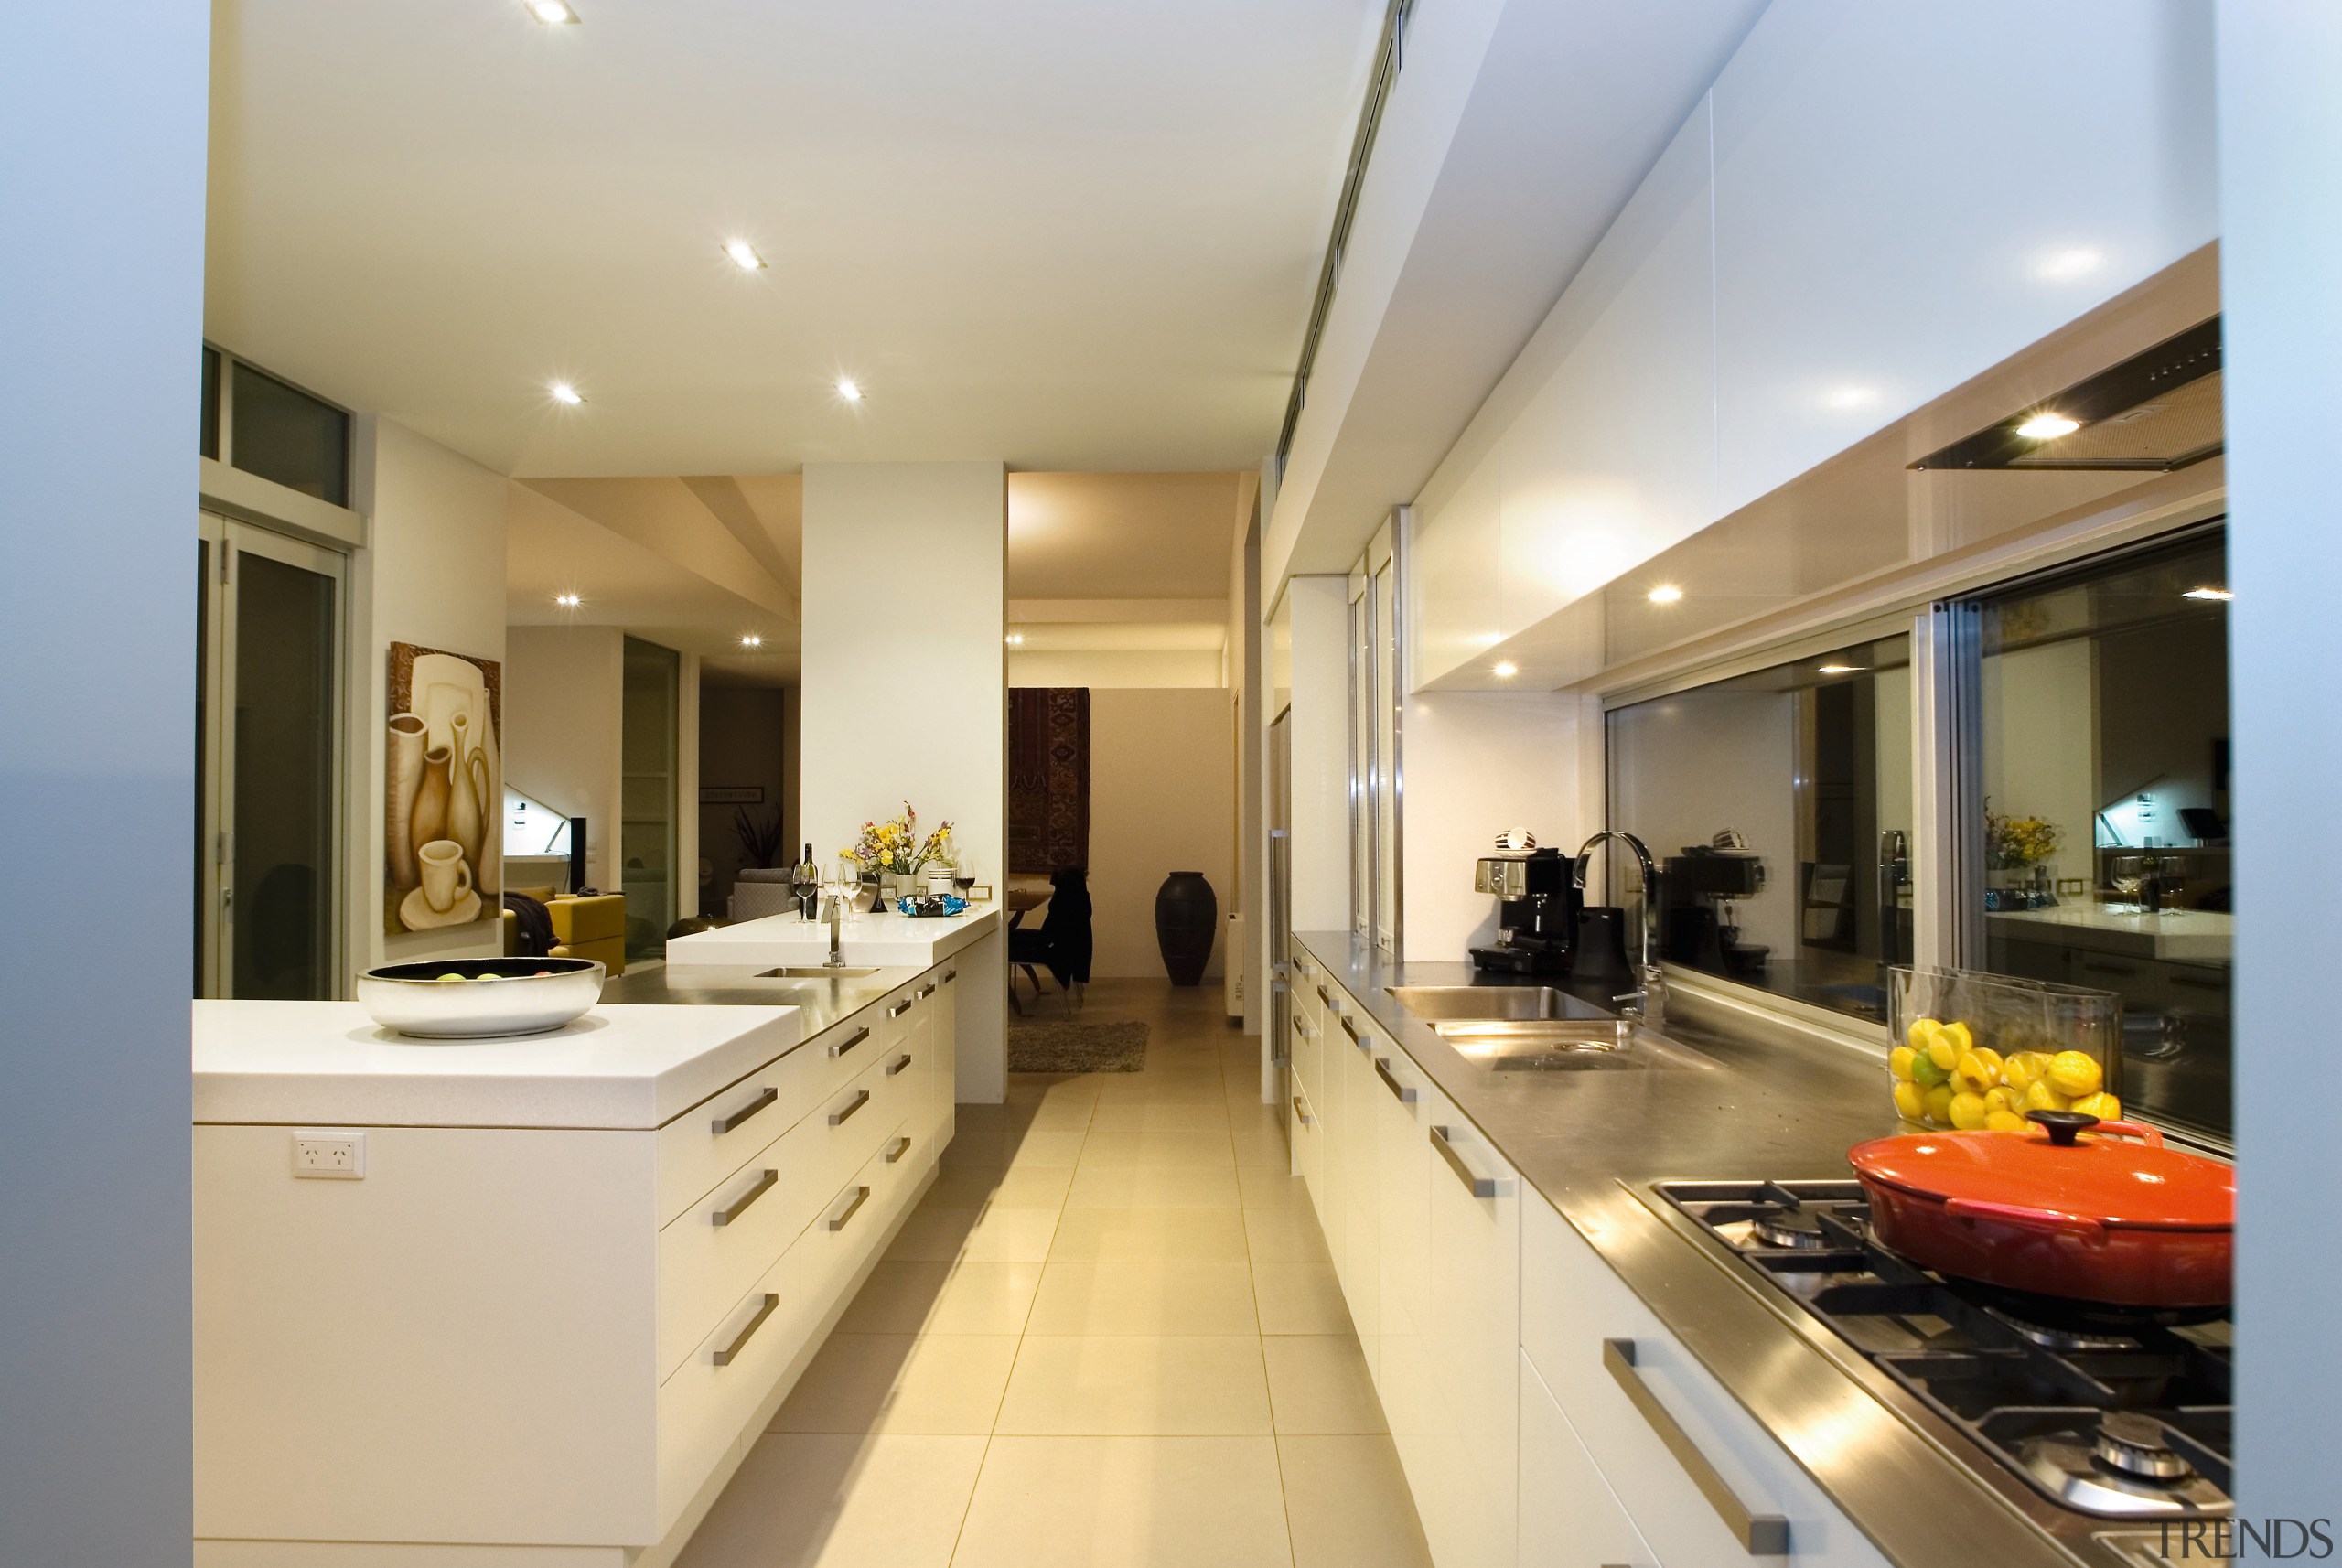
(1778, 806)
(2101, 856)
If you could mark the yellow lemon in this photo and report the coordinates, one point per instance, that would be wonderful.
(2075, 1073)
(1899, 1060)
(1961, 1034)
(1973, 1076)
(2004, 1099)
(1937, 1102)
(1943, 1050)
(2103, 1106)
(1925, 1071)
(2018, 1071)
(1967, 1112)
(2041, 1097)
(1910, 1101)
(1921, 1031)
(2004, 1121)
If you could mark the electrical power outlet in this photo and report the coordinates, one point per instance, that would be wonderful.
(329, 1155)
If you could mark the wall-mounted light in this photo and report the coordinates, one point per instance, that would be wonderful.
(1665, 594)
(566, 394)
(744, 256)
(552, 13)
(567, 601)
(2218, 595)
(848, 390)
(2048, 426)
(1505, 669)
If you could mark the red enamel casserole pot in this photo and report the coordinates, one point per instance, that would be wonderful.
(2103, 1218)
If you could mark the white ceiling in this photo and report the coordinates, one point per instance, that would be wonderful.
(1125, 536)
(1057, 232)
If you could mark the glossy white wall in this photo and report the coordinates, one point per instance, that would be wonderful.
(2281, 177)
(1319, 616)
(101, 189)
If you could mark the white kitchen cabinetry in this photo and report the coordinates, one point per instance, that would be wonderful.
(1471, 1340)
(1871, 249)
(505, 1340)
(1349, 1056)
(1569, 1516)
(1700, 1480)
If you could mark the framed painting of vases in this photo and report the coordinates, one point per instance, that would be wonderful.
(443, 818)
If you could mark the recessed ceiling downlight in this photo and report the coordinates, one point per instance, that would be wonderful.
(744, 256)
(849, 390)
(552, 13)
(1665, 594)
(752, 640)
(2048, 426)
(566, 394)
(1505, 669)
(567, 601)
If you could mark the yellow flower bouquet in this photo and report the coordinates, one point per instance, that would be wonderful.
(893, 848)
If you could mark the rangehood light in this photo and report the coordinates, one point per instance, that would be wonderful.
(1665, 594)
(1505, 669)
(1841, 669)
(2047, 427)
(2220, 596)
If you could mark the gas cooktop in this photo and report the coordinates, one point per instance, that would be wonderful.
(2112, 1412)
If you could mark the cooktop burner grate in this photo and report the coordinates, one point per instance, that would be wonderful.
(2119, 1413)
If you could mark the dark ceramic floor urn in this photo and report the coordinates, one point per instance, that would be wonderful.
(1186, 919)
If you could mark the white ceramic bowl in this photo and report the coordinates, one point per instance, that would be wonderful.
(414, 998)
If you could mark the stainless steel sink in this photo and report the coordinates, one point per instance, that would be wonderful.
(1435, 1003)
(814, 971)
(1609, 1044)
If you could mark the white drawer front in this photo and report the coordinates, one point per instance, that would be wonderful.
(1569, 1516)
(705, 1402)
(1471, 1340)
(710, 1252)
(1574, 1304)
(846, 1229)
(848, 1125)
(715, 1138)
(845, 1051)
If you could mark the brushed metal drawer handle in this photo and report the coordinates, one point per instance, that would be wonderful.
(844, 1046)
(723, 1124)
(927, 991)
(899, 1008)
(731, 1353)
(861, 1098)
(764, 1184)
(1302, 1111)
(1349, 1029)
(1408, 1094)
(899, 1064)
(949, 976)
(1328, 1001)
(902, 1146)
(1761, 1534)
(2193, 983)
(1478, 1186)
(860, 1197)
(1302, 1029)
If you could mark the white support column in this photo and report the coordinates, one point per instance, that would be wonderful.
(905, 685)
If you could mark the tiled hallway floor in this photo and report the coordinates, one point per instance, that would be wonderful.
(1109, 1337)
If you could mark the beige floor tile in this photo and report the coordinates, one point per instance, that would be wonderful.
(1149, 1117)
(1299, 1298)
(1122, 1235)
(1043, 1148)
(1347, 1503)
(1262, 1152)
(1063, 1114)
(1271, 1186)
(998, 1234)
(1126, 1502)
(1151, 1186)
(1155, 1297)
(1167, 1089)
(1288, 1235)
(1108, 1386)
(904, 1298)
(936, 1384)
(808, 1501)
(1182, 1149)
(1016, 1186)
(1036, 1088)
(1319, 1385)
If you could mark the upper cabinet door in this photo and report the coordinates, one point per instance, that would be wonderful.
(1908, 194)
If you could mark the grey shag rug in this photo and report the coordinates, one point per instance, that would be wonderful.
(1076, 1048)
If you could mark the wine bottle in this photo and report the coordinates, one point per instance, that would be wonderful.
(807, 882)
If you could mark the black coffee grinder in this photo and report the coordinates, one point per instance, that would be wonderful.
(1537, 912)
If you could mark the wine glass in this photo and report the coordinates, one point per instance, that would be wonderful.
(2127, 874)
(964, 871)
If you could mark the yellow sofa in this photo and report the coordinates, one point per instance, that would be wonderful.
(592, 926)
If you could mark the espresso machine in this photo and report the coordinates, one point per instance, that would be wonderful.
(1537, 912)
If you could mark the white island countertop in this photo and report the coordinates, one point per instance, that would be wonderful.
(617, 1066)
(2189, 936)
(872, 938)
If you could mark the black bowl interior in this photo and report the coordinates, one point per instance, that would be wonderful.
(473, 968)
